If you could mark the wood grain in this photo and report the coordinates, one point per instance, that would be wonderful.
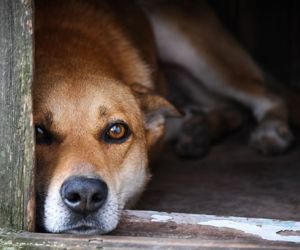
(156, 230)
(16, 133)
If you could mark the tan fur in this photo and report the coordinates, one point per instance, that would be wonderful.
(96, 62)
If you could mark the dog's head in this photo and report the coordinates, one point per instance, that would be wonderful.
(93, 135)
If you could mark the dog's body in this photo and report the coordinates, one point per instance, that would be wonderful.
(96, 105)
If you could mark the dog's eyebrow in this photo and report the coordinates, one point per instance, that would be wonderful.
(48, 119)
(102, 111)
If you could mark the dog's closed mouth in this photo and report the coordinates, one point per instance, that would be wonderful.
(83, 230)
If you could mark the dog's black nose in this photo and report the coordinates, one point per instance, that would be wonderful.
(83, 195)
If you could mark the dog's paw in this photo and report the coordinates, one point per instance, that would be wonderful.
(272, 138)
(193, 140)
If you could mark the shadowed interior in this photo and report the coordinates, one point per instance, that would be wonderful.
(233, 180)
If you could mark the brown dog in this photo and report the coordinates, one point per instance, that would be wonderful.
(97, 108)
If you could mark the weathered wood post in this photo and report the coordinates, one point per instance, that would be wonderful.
(16, 132)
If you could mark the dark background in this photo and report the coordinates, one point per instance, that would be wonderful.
(269, 30)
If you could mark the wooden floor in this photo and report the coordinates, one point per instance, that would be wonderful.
(232, 180)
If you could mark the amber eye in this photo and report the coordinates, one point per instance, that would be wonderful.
(116, 133)
(42, 135)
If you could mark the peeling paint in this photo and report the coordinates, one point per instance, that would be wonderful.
(160, 218)
(265, 231)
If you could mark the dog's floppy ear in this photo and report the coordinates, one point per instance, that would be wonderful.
(155, 109)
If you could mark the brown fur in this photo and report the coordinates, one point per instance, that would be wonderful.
(96, 62)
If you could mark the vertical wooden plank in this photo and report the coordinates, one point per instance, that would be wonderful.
(16, 132)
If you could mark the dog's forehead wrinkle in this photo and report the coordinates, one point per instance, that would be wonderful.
(102, 111)
(45, 118)
(48, 118)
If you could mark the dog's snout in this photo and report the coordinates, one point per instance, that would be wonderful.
(84, 195)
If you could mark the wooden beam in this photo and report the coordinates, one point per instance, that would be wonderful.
(158, 230)
(209, 227)
(16, 132)
(51, 241)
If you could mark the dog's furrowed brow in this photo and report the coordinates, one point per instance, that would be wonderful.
(48, 118)
(102, 111)
(45, 118)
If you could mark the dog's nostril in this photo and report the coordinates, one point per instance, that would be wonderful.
(84, 195)
(97, 198)
(73, 197)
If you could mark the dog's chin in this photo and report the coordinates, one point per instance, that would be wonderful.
(83, 230)
(86, 226)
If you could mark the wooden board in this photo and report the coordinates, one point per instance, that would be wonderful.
(16, 133)
(157, 230)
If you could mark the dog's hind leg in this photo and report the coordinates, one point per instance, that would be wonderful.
(188, 34)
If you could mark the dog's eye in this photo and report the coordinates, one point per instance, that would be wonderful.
(42, 136)
(116, 133)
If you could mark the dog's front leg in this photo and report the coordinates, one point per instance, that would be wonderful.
(189, 35)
